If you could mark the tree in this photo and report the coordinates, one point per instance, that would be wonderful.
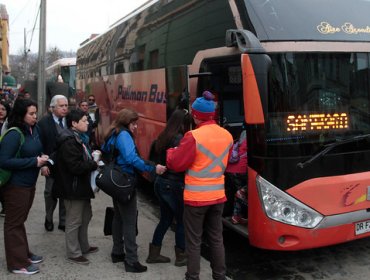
(53, 54)
(24, 65)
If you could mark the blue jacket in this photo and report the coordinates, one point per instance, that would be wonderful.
(24, 169)
(128, 158)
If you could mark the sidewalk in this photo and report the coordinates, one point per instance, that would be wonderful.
(51, 245)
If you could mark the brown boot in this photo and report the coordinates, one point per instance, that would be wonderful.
(155, 256)
(181, 259)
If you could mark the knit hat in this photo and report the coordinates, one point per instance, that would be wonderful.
(203, 108)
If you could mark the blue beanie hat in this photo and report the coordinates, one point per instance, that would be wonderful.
(203, 108)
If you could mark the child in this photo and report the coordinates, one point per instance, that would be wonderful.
(236, 172)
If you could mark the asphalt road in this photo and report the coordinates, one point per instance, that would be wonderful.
(340, 262)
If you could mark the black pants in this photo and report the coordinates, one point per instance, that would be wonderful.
(207, 219)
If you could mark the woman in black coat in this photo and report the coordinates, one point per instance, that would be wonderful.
(73, 168)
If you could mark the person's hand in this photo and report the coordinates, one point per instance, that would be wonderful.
(42, 160)
(160, 169)
(45, 171)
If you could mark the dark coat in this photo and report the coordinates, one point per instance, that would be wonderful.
(48, 133)
(72, 168)
(24, 168)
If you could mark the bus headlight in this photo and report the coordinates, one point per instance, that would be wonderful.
(281, 207)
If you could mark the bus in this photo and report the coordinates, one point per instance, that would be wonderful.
(297, 73)
(61, 78)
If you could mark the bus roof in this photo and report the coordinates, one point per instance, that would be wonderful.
(67, 61)
(123, 19)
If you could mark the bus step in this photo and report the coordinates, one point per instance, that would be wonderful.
(241, 229)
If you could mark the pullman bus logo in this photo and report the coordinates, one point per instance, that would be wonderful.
(348, 28)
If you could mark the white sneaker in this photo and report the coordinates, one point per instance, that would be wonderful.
(31, 269)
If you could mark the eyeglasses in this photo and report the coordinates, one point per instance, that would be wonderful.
(91, 99)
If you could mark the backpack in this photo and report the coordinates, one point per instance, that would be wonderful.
(4, 173)
(234, 156)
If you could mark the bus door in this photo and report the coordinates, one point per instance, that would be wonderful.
(223, 77)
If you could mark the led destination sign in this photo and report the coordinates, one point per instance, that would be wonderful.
(315, 122)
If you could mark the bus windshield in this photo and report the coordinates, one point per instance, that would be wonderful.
(317, 98)
(273, 20)
(68, 74)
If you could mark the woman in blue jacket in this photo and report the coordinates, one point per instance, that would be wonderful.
(121, 135)
(19, 192)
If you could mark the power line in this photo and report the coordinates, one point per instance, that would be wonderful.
(34, 26)
(21, 11)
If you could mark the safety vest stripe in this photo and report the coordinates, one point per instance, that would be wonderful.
(203, 174)
(206, 172)
(204, 188)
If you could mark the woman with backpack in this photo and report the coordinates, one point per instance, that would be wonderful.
(121, 137)
(4, 113)
(20, 153)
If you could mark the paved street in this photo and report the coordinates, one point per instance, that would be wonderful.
(338, 262)
(51, 245)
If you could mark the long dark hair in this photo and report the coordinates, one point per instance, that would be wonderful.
(19, 111)
(175, 125)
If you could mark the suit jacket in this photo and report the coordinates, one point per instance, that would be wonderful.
(48, 134)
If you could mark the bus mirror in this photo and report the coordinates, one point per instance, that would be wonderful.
(245, 40)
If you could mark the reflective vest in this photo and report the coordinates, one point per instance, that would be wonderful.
(204, 180)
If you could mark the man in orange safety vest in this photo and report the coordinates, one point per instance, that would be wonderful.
(203, 154)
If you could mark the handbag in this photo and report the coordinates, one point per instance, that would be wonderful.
(108, 220)
(113, 181)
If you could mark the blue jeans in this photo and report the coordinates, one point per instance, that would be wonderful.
(171, 202)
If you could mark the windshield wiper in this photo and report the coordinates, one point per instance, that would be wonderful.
(329, 147)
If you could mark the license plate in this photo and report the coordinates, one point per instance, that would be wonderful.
(362, 227)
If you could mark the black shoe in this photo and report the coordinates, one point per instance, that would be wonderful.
(135, 267)
(62, 228)
(49, 226)
(117, 258)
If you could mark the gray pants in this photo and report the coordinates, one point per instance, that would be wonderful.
(124, 230)
(51, 203)
(78, 216)
(209, 219)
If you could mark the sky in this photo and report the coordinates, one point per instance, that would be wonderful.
(68, 22)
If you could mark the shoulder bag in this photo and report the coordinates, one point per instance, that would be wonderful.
(113, 181)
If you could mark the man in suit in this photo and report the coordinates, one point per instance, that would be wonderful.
(50, 127)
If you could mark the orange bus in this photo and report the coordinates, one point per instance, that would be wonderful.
(296, 72)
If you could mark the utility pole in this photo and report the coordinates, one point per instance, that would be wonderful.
(41, 86)
(25, 56)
